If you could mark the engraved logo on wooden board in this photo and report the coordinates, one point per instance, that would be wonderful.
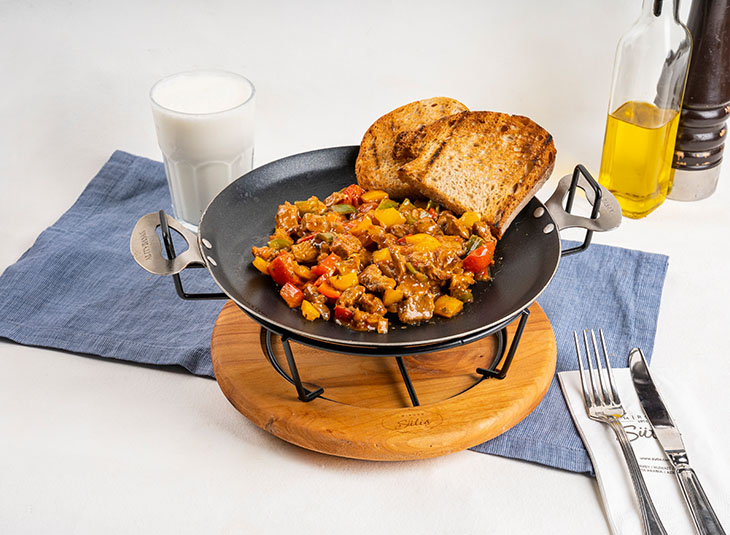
(412, 421)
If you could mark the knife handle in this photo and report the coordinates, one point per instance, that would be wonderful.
(703, 515)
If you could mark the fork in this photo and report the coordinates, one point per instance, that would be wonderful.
(603, 405)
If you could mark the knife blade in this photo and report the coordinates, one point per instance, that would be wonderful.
(670, 439)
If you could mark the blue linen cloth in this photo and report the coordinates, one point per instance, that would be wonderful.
(78, 289)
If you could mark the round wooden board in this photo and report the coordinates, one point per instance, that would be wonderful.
(365, 411)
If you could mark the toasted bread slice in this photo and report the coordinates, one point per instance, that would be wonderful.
(376, 167)
(487, 162)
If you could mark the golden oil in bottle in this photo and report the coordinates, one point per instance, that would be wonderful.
(636, 165)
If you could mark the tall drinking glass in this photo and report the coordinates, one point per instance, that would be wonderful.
(205, 129)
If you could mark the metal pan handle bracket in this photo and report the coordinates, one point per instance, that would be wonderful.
(605, 215)
(147, 251)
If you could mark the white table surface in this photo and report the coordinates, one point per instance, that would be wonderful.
(95, 446)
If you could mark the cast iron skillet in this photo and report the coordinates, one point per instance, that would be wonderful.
(242, 215)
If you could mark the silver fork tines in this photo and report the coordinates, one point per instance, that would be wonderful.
(604, 405)
(605, 397)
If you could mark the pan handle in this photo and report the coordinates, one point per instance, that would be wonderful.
(606, 213)
(147, 251)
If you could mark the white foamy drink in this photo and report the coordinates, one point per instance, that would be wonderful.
(205, 128)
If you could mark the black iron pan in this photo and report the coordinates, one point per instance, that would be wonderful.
(242, 215)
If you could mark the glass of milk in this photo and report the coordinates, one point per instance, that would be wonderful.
(205, 127)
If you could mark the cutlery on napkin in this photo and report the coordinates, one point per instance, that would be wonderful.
(613, 480)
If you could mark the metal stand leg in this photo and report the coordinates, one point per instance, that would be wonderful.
(502, 372)
(407, 381)
(302, 393)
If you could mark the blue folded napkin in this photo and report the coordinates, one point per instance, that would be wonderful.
(78, 289)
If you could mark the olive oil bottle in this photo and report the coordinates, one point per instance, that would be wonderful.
(649, 75)
(637, 156)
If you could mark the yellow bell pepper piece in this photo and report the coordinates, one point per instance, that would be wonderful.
(423, 240)
(261, 264)
(381, 255)
(469, 218)
(447, 306)
(343, 282)
(389, 217)
(392, 296)
(373, 195)
(308, 311)
(364, 224)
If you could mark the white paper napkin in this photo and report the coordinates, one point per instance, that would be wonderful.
(611, 471)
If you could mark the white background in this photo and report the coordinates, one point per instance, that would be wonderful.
(95, 446)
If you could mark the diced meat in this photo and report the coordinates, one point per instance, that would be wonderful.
(305, 251)
(366, 207)
(324, 251)
(366, 257)
(421, 259)
(388, 269)
(323, 310)
(267, 253)
(319, 301)
(436, 264)
(311, 293)
(372, 304)
(452, 242)
(374, 280)
(399, 262)
(483, 231)
(410, 286)
(337, 197)
(444, 262)
(287, 217)
(452, 226)
(401, 230)
(416, 308)
(461, 282)
(482, 276)
(366, 321)
(381, 237)
(345, 245)
(313, 223)
(349, 265)
(427, 226)
(351, 296)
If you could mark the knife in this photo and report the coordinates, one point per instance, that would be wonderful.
(670, 439)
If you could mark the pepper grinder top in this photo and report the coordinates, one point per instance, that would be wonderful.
(706, 106)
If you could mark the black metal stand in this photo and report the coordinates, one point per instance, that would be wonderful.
(398, 353)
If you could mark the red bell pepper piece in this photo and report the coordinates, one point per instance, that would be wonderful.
(353, 193)
(343, 314)
(326, 266)
(281, 270)
(480, 258)
(292, 295)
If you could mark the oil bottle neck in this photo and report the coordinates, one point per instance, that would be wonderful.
(661, 9)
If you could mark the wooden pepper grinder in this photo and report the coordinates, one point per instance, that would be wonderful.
(706, 107)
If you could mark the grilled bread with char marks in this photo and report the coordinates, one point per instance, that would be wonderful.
(377, 165)
(486, 162)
